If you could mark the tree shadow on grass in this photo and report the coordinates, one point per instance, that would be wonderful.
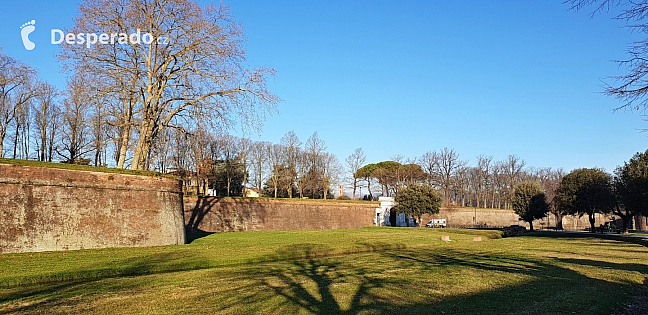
(539, 286)
(377, 280)
(545, 286)
(628, 239)
(54, 289)
(317, 286)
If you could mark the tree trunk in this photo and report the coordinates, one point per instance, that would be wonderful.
(259, 183)
(123, 146)
(531, 226)
(15, 144)
(626, 223)
(559, 219)
(592, 221)
(143, 145)
(43, 144)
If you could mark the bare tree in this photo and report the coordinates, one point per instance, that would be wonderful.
(331, 171)
(99, 129)
(449, 165)
(245, 146)
(275, 154)
(292, 144)
(75, 142)
(22, 131)
(429, 162)
(204, 148)
(191, 65)
(484, 178)
(258, 157)
(551, 182)
(16, 91)
(498, 188)
(314, 150)
(231, 157)
(46, 114)
(632, 88)
(354, 162)
(512, 170)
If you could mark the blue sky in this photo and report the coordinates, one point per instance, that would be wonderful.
(406, 77)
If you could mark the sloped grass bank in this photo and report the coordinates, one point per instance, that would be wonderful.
(89, 168)
(367, 271)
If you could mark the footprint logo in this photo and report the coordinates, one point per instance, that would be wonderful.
(25, 30)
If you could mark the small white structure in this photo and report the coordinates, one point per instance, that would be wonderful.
(383, 214)
(251, 192)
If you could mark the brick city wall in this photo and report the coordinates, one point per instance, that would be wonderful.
(498, 218)
(46, 209)
(212, 214)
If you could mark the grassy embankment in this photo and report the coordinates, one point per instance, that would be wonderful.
(77, 167)
(367, 271)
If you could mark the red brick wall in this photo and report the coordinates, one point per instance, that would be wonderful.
(227, 214)
(459, 217)
(44, 209)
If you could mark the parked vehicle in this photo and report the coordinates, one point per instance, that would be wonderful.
(517, 226)
(436, 223)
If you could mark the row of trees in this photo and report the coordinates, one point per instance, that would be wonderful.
(226, 164)
(591, 191)
(39, 122)
(122, 99)
(582, 192)
(588, 191)
(488, 184)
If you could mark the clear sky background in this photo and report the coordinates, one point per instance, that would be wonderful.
(406, 77)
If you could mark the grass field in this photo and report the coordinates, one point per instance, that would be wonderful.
(367, 271)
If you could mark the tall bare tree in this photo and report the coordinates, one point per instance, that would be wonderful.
(354, 162)
(75, 141)
(46, 114)
(513, 172)
(449, 165)
(292, 144)
(331, 171)
(275, 154)
(483, 169)
(314, 150)
(630, 88)
(16, 91)
(258, 158)
(429, 162)
(191, 65)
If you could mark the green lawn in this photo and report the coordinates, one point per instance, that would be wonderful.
(367, 271)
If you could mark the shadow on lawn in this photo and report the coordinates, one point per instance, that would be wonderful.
(380, 280)
(361, 284)
(629, 239)
(63, 288)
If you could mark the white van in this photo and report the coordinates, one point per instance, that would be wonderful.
(436, 223)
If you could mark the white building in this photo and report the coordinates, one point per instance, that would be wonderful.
(384, 214)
